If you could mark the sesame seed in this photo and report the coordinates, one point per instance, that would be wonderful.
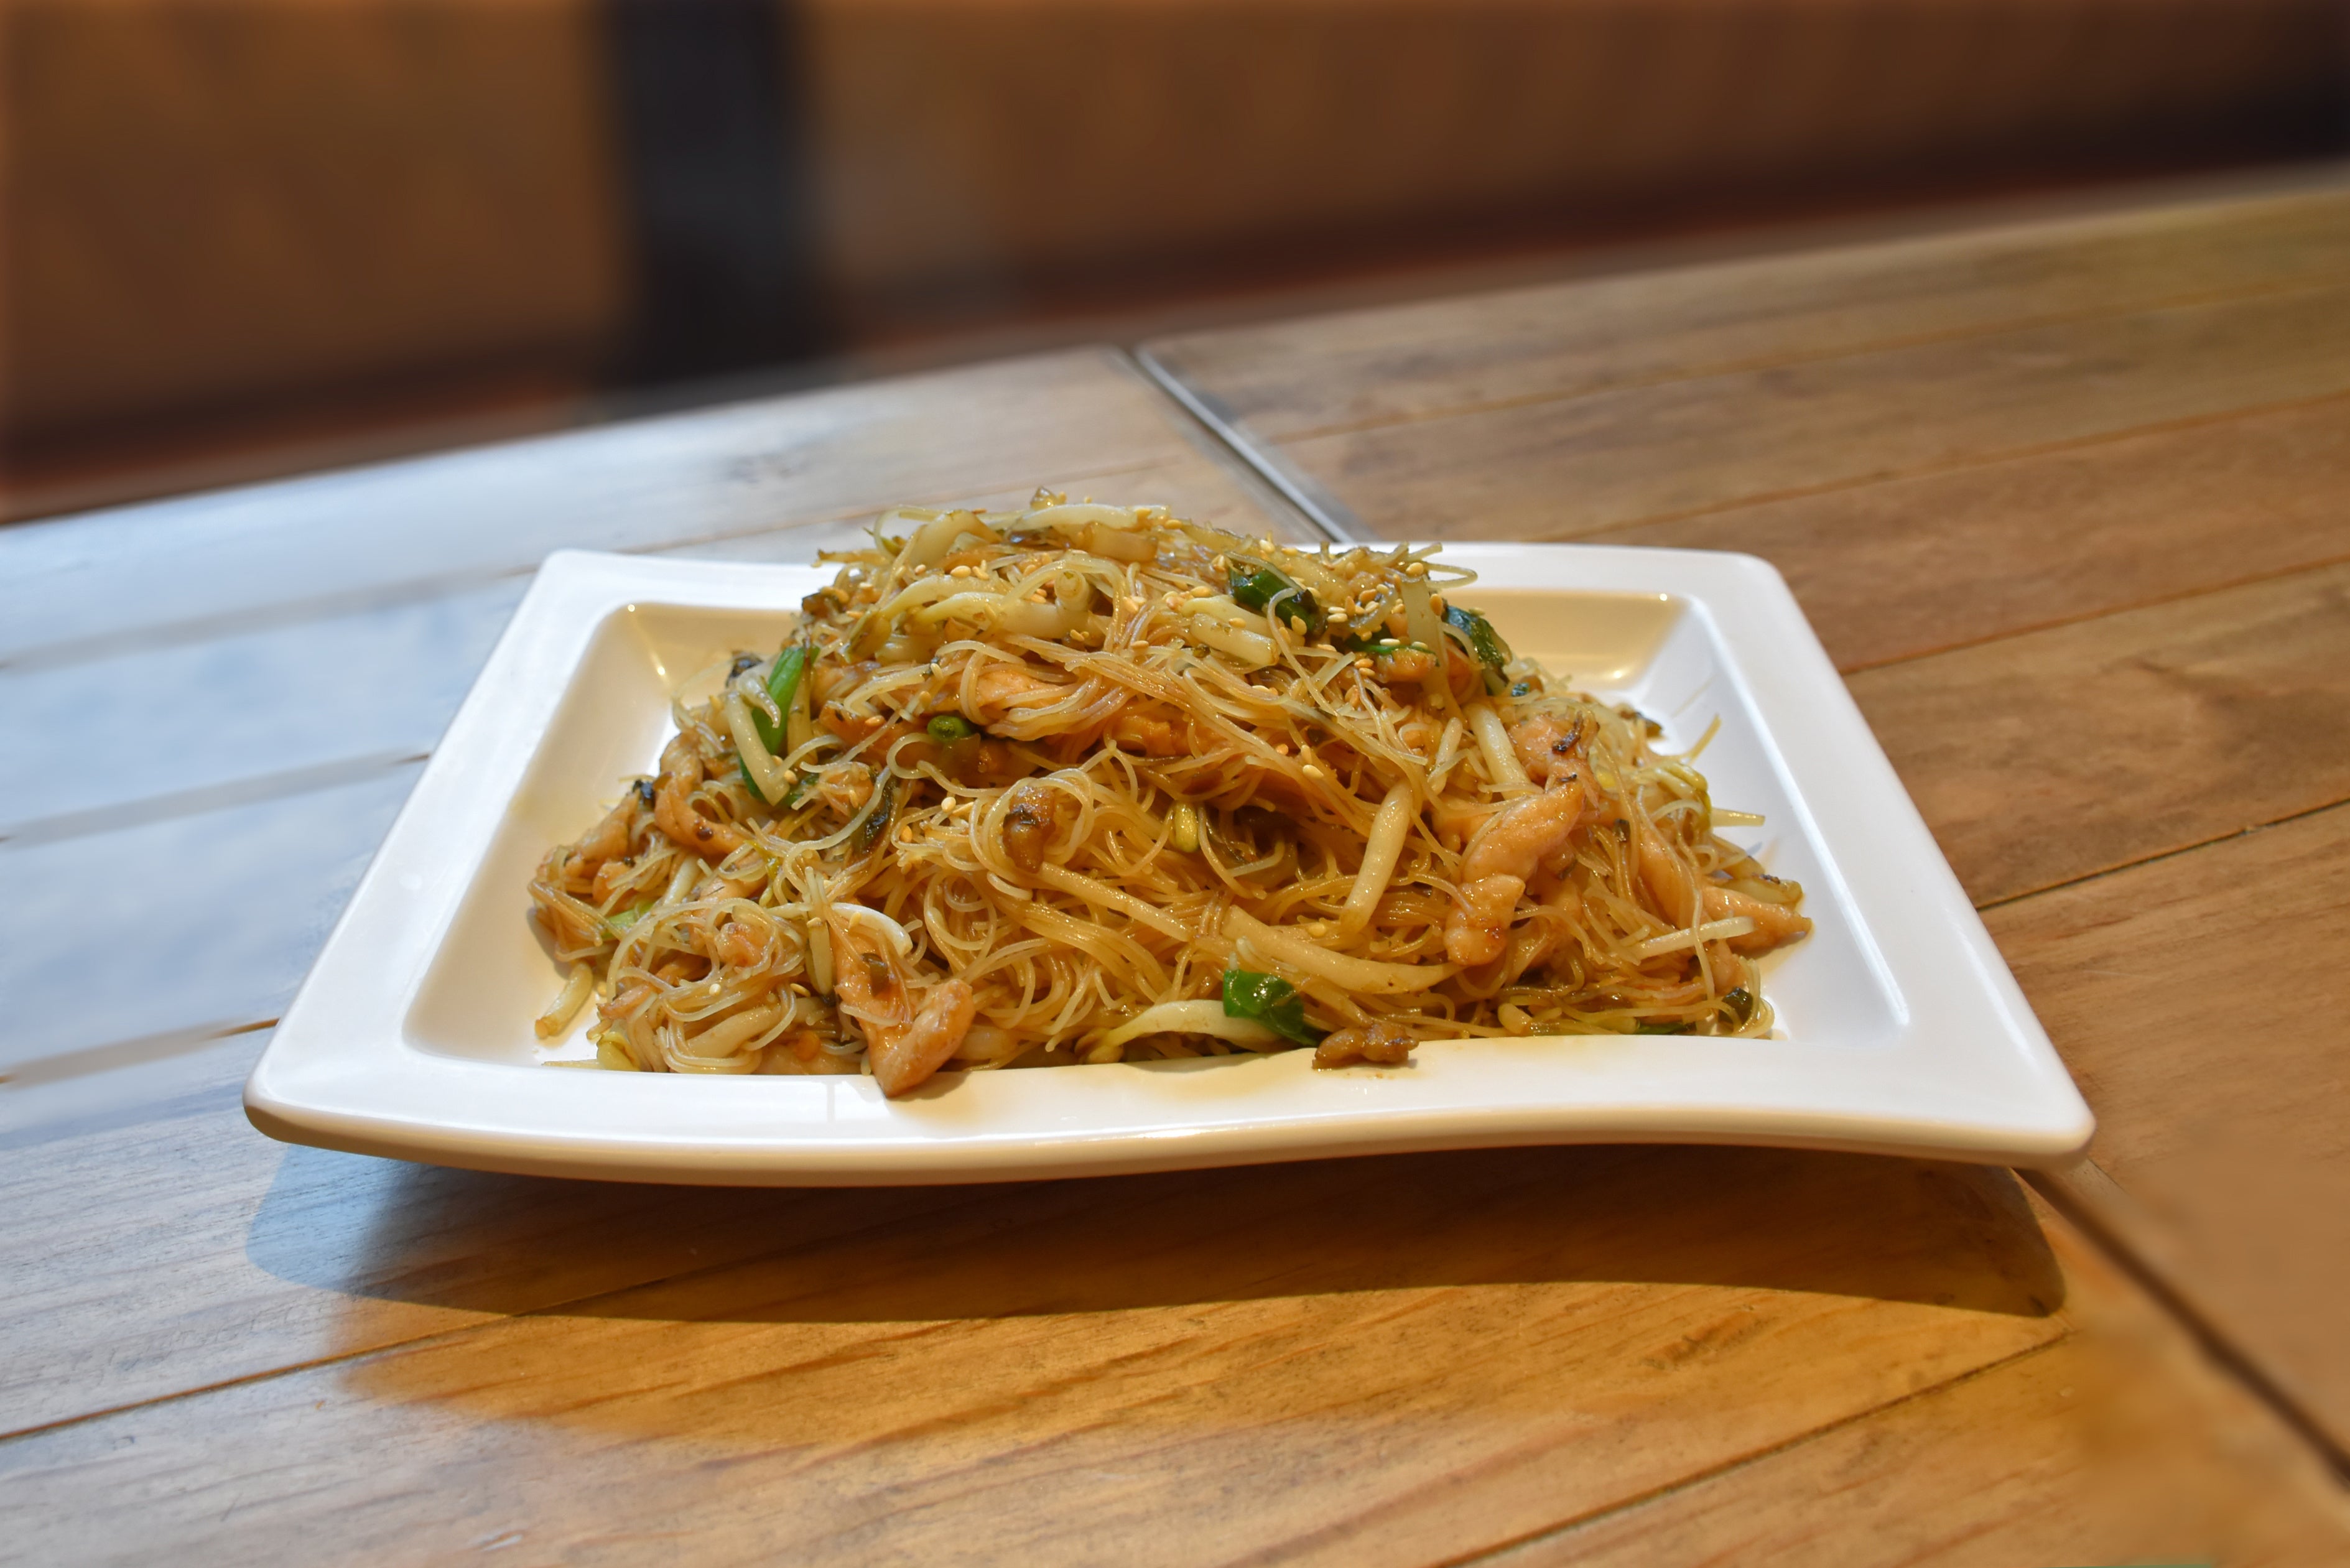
(1280, 748)
(1436, 603)
(961, 571)
(1417, 569)
(1313, 773)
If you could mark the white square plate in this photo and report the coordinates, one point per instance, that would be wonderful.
(1899, 1030)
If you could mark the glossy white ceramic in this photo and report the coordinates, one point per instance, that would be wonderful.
(1899, 1030)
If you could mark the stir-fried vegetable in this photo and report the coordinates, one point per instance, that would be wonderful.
(1096, 758)
(1485, 644)
(1269, 1000)
(1256, 587)
(784, 686)
(875, 826)
(948, 727)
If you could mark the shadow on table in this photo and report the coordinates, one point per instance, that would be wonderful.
(1840, 1225)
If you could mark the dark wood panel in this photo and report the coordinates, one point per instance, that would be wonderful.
(212, 203)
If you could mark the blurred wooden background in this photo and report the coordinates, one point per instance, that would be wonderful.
(225, 216)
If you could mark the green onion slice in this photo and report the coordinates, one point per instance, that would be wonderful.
(1478, 632)
(783, 685)
(1269, 1000)
(1255, 586)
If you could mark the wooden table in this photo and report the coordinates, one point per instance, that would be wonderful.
(2070, 506)
(215, 1348)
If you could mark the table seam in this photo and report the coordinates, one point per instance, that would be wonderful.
(2179, 1302)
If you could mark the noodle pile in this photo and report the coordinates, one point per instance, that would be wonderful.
(1085, 783)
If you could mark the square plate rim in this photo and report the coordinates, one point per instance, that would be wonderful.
(339, 1071)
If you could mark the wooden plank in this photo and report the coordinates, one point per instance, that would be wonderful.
(2198, 1000)
(1392, 365)
(1367, 1361)
(2120, 1444)
(129, 1088)
(317, 691)
(1558, 470)
(210, 918)
(157, 1079)
(85, 583)
(340, 683)
(185, 1250)
(1894, 570)
(2045, 757)
(151, 724)
(2114, 486)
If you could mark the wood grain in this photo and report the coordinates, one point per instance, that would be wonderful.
(184, 1250)
(1370, 1361)
(203, 563)
(1358, 370)
(2073, 526)
(1622, 1354)
(1911, 567)
(269, 815)
(241, 706)
(224, 939)
(2122, 1443)
(2042, 758)
(1565, 469)
(2199, 1000)
(302, 647)
(241, 700)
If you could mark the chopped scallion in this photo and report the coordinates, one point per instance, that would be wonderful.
(1269, 1000)
(783, 686)
(1255, 586)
